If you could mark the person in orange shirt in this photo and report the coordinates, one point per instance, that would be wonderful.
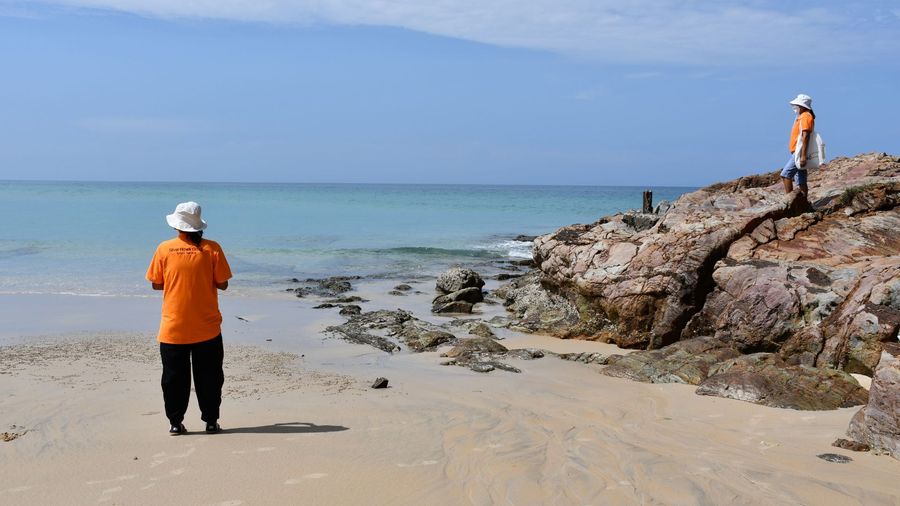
(189, 270)
(803, 127)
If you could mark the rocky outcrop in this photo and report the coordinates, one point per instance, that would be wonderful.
(459, 289)
(387, 330)
(694, 263)
(326, 287)
(483, 354)
(806, 286)
(764, 378)
(683, 362)
(877, 425)
(539, 310)
(458, 278)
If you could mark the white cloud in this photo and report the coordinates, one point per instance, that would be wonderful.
(734, 32)
(120, 125)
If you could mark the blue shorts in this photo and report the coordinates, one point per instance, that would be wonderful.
(791, 171)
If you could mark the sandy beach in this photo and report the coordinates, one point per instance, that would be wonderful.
(81, 408)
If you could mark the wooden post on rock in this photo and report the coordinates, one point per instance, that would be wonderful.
(648, 201)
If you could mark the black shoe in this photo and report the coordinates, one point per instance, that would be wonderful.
(177, 430)
(213, 428)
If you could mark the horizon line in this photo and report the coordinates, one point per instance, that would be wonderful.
(104, 181)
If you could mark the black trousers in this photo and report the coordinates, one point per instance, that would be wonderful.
(206, 359)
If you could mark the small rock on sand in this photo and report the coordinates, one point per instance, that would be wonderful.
(380, 383)
(834, 457)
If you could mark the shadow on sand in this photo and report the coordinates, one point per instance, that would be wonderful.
(286, 428)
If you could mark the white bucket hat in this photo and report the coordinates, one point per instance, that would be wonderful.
(186, 218)
(802, 100)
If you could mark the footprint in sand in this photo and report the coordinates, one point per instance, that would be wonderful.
(421, 463)
(163, 457)
(312, 476)
(112, 480)
(174, 472)
(105, 495)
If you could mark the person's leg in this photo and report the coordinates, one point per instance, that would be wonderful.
(787, 175)
(801, 181)
(176, 380)
(788, 184)
(209, 377)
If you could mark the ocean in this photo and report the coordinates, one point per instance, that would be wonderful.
(94, 238)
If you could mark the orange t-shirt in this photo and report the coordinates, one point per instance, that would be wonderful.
(190, 309)
(804, 121)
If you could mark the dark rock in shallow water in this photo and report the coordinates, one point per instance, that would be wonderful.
(586, 357)
(525, 353)
(327, 287)
(481, 329)
(457, 278)
(878, 424)
(418, 335)
(326, 306)
(764, 378)
(474, 327)
(350, 309)
(525, 238)
(834, 457)
(504, 276)
(403, 287)
(468, 347)
(683, 362)
(346, 300)
(357, 334)
(471, 295)
(397, 293)
(483, 354)
(458, 306)
(430, 340)
(380, 383)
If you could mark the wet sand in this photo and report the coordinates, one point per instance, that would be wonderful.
(80, 388)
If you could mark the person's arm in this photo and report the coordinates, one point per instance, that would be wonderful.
(157, 286)
(222, 286)
(804, 138)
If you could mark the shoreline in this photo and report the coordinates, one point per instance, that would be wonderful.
(302, 425)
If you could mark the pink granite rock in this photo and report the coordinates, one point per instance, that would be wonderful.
(765, 264)
(816, 285)
(878, 423)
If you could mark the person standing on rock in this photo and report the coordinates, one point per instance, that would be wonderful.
(804, 124)
(189, 270)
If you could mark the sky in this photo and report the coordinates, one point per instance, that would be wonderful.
(567, 92)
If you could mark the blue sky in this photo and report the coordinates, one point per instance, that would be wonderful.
(650, 93)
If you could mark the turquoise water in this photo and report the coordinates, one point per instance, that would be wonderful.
(97, 238)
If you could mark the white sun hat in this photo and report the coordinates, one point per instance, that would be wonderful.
(186, 218)
(803, 101)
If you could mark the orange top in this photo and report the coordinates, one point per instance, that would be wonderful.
(190, 309)
(805, 122)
